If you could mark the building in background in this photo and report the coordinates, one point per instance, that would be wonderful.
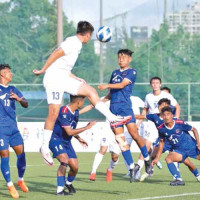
(139, 34)
(189, 19)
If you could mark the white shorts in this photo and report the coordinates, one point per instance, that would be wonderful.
(108, 139)
(55, 88)
(150, 132)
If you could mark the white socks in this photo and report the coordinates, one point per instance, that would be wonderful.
(97, 160)
(46, 137)
(141, 164)
(102, 108)
(60, 189)
(112, 164)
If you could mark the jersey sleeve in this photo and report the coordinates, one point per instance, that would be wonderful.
(186, 127)
(172, 99)
(17, 92)
(111, 78)
(68, 46)
(64, 119)
(131, 75)
(150, 117)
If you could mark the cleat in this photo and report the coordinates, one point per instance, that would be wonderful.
(121, 121)
(198, 178)
(127, 175)
(143, 177)
(159, 165)
(63, 193)
(22, 186)
(177, 182)
(70, 188)
(151, 173)
(13, 192)
(133, 172)
(137, 175)
(92, 177)
(108, 176)
(148, 166)
(45, 152)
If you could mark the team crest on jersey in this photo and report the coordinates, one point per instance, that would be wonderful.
(64, 116)
(155, 105)
(177, 130)
(134, 72)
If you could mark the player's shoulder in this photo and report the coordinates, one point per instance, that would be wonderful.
(64, 109)
(162, 126)
(179, 121)
(149, 95)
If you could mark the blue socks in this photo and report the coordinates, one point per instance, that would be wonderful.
(195, 172)
(144, 151)
(70, 178)
(5, 169)
(173, 170)
(127, 157)
(21, 164)
(61, 181)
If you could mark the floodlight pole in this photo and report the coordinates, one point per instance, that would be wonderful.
(59, 22)
(101, 47)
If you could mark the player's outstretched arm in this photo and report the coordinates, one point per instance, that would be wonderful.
(53, 57)
(160, 149)
(142, 117)
(121, 85)
(82, 141)
(196, 136)
(144, 112)
(72, 132)
(86, 109)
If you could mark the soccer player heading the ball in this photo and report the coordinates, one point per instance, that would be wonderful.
(59, 79)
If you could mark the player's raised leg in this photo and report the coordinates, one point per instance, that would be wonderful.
(89, 92)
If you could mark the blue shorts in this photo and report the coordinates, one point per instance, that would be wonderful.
(59, 146)
(122, 109)
(167, 146)
(188, 150)
(10, 135)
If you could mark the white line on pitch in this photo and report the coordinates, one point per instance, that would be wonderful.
(169, 196)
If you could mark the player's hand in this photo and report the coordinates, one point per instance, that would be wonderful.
(81, 80)
(14, 96)
(102, 87)
(91, 124)
(83, 142)
(38, 72)
(155, 161)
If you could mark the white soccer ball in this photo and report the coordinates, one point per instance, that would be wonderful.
(104, 34)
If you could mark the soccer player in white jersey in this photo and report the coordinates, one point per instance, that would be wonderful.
(59, 79)
(151, 107)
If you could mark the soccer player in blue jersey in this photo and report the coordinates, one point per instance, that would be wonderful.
(60, 143)
(121, 85)
(158, 120)
(183, 144)
(9, 133)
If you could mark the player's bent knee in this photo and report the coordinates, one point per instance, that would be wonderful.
(122, 143)
(64, 164)
(168, 160)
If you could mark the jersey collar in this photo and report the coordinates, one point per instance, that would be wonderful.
(70, 110)
(171, 127)
(4, 85)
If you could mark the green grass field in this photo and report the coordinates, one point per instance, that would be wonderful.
(41, 180)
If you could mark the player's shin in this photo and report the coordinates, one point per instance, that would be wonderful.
(5, 169)
(21, 165)
(173, 170)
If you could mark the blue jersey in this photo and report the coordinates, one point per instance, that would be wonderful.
(122, 95)
(155, 118)
(7, 105)
(178, 135)
(65, 118)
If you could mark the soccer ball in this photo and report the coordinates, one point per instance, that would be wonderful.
(104, 34)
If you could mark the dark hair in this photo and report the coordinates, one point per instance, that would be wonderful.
(164, 100)
(84, 27)
(75, 98)
(166, 88)
(155, 78)
(125, 51)
(4, 66)
(167, 108)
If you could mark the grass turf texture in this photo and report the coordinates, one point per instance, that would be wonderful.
(41, 181)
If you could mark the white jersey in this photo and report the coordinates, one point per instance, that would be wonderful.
(137, 103)
(151, 101)
(63, 65)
